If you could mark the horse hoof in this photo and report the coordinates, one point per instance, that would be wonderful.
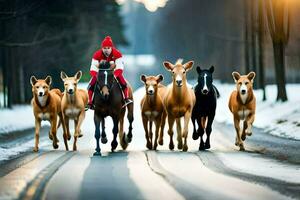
(69, 137)
(207, 146)
(243, 137)
(97, 153)
(35, 149)
(242, 148)
(161, 142)
(80, 135)
(149, 146)
(195, 135)
(114, 145)
(128, 139)
(201, 147)
(50, 136)
(171, 146)
(104, 140)
(249, 134)
(179, 146)
(185, 148)
(55, 146)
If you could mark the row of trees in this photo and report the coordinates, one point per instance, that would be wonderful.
(43, 37)
(262, 16)
(232, 35)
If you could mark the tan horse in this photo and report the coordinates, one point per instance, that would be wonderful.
(242, 104)
(152, 109)
(73, 106)
(179, 102)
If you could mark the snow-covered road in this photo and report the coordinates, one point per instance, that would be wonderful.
(269, 169)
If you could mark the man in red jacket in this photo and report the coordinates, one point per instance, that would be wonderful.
(107, 53)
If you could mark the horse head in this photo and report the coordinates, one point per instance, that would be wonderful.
(105, 80)
(205, 79)
(178, 71)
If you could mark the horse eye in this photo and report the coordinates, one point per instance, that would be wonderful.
(240, 83)
(173, 72)
(44, 87)
(247, 83)
(37, 87)
(184, 72)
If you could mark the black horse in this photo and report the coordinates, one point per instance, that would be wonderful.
(205, 107)
(108, 101)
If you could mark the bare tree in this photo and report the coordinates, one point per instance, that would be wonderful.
(278, 17)
(261, 47)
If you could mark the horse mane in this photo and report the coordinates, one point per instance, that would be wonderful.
(179, 61)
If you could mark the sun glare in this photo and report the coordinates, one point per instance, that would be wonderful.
(151, 5)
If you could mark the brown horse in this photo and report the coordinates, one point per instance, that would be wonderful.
(108, 101)
(179, 101)
(152, 109)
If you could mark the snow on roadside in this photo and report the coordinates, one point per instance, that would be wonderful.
(278, 118)
(15, 119)
(256, 165)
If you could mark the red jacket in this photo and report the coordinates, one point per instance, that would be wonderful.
(98, 56)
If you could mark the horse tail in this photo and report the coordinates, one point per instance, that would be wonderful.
(216, 91)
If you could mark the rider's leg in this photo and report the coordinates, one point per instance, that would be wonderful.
(91, 88)
(119, 75)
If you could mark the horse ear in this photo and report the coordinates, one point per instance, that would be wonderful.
(63, 75)
(78, 75)
(212, 69)
(169, 66)
(143, 78)
(189, 65)
(48, 80)
(236, 76)
(33, 80)
(198, 69)
(251, 76)
(159, 78)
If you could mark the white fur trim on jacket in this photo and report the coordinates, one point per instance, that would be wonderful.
(119, 63)
(94, 65)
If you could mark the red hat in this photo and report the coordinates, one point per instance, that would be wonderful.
(107, 42)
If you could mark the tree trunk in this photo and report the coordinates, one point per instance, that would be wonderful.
(253, 39)
(261, 48)
(246, 37)
(279, 58)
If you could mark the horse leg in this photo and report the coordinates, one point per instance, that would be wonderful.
(115, 130)
(78, 123)
(103, 134)
(67, 127)
(179, 135)
(249, 120)
(157, 125)
(209, 129)
(150, 132)
(195, 133)
(97, 134)
(65, 135)
(145, 125)
(121, 131)
(162, 127)
(187, 118)
(37, 135)
(243, 137)
(130, 120)
(238, 140)
(53, 132)
(201, 133)
(171, 121)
